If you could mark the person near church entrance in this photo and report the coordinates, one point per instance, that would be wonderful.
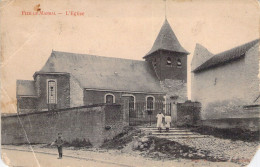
(160, 117)
(168, 121)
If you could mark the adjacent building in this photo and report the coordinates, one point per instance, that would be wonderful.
(228, 83)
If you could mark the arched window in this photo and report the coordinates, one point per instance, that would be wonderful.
(51, 92)
(179, 65)
(131, 99)
(149, 102)
(168, 61)
(109, 98)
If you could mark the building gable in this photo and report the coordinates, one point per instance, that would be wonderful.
(200, 56)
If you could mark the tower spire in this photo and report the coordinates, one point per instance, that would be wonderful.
(165, 15)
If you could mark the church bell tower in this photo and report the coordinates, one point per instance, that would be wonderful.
(167, 57)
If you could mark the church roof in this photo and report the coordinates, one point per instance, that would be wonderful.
(25, 88)
(166, 40)
(106, 73)
(226, 56)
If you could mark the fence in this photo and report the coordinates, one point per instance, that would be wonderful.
(145, 112)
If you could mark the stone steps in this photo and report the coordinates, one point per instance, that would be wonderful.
(173, 133)
(181, 137)
(163, 130)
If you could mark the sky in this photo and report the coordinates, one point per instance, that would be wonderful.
(114, 28)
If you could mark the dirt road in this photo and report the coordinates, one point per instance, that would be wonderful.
(27, 159)
(22, 156)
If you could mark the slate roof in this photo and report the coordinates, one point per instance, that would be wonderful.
(106, 73)
(25, 88)
(226, 56)
(166, 40)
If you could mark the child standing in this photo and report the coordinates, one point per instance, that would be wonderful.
(59, 142)
(168, 121)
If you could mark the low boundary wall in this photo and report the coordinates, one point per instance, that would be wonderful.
(94, 123)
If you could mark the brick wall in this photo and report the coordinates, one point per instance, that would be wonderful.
(169, 72)
(97, 97)
(223, 89)
(87, 122)
(63, 90)
(26, 104)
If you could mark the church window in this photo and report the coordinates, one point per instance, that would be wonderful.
(168, 61)
(149, 102)
(51, 92)
(109, 98)
(179, 65)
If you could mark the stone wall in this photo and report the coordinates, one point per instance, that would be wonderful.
(86, 122)
(176, 90)
(251, 124)
(188, 113)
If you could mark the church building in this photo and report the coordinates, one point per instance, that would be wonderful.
(71, 80)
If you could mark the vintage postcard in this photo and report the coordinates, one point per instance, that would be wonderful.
(137, 83)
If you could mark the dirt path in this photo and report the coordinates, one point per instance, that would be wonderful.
(112, 157)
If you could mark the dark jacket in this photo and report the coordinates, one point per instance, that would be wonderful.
(59, 142)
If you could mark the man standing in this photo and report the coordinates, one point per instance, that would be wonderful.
(59, 142)
(159, 117)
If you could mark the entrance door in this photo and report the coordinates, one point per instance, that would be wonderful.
(131, 106)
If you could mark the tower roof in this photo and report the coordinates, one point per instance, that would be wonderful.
(166, 40)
